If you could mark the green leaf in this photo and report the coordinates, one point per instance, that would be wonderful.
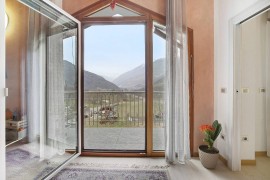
(215, 124)
(218, 129)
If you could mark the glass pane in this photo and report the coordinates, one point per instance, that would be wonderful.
(159, 52)
(114, 87)
(41, 64)
(118, 11)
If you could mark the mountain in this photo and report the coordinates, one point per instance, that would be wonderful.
(92, 81)
(108, 78)
(135, 78)
(159, 74)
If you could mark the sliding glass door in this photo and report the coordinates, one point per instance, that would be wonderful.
(42, 68)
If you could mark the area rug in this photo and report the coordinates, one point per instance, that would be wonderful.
(114, 165)
(18, 161)
(117, 163)
(109, 174)
(19, 157)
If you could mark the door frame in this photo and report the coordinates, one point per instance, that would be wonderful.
(190, 44)
(234, 125)
(149, 88)
(147, 17)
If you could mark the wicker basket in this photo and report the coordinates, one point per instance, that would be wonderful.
(208, 160)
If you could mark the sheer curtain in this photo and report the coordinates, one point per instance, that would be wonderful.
(177, 107)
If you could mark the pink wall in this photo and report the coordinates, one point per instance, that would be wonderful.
(200, 18)
(154, 5)
(68, 5)
(157, 6)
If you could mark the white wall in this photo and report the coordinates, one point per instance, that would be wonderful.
(224, 11)
(253, 77)
(2, 97)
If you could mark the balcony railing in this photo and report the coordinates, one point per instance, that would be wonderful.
(116, 108)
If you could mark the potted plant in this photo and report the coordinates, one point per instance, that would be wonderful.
(207, 153)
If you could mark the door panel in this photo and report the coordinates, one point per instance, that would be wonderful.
(42, 109)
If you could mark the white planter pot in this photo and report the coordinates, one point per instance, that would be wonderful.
(208, 159)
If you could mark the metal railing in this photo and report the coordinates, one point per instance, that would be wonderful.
(116, 108)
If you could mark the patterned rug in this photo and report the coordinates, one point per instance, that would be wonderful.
(109, 174)
(18, 162)
(19, 157)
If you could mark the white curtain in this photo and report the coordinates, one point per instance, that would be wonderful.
(177, 101)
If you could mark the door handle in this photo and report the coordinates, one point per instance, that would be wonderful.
(6, 92)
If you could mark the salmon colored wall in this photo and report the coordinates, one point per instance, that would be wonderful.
(157, 6)
(200, 18)
(68, 5)
(16, 36)
(154, 5)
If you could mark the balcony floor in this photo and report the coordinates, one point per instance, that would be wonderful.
(121, 138)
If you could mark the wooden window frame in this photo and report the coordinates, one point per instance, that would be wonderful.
(147, 17)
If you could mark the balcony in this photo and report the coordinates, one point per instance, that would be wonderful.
(116, 119)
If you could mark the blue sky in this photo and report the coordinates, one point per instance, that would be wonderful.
(115, 49)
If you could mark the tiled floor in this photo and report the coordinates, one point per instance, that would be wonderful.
(194, 171)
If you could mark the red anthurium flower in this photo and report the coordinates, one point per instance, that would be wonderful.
(204, 128)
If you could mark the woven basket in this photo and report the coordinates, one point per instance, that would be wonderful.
(208, 160)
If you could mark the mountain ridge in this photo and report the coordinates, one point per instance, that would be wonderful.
(135, 78)
(92, 81)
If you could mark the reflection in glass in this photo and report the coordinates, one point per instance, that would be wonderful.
(41, 114)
